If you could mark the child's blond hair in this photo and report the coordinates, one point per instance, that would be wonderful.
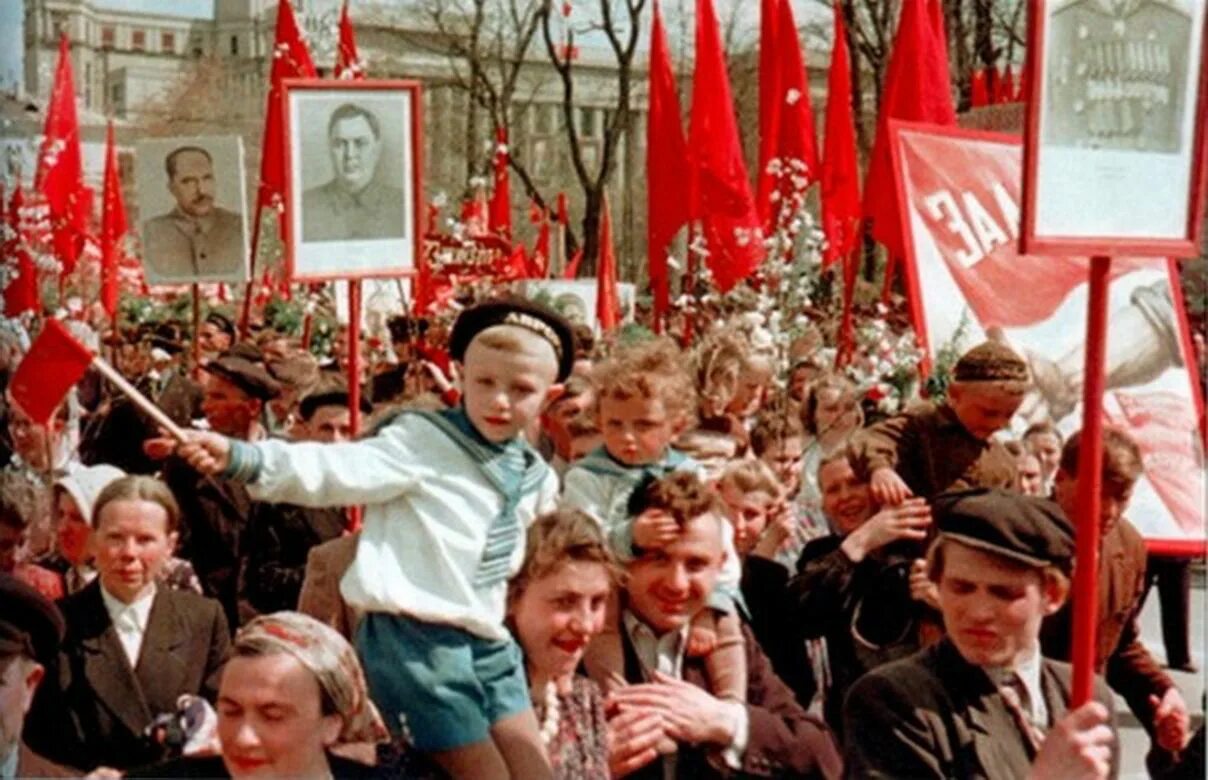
(751, 475)
(649, 370)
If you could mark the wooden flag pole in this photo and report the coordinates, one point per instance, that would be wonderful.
(141, 401)
(1085, 596)
(196, 330)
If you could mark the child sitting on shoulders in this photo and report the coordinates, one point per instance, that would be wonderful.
(644, 398)
(448, 496)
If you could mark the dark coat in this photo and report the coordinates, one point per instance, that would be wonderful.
(180, 397)
(91, 710)
(279, 537)
(783, 741)
(213, 767)
(934, 715)
(116, 432)
(765, 591)
(1119, 655)
(30, 764)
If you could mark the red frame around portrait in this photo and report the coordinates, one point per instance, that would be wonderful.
(290, 86)
(1168, 547)
(1109, 246)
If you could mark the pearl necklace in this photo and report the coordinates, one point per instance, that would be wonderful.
(552, 721)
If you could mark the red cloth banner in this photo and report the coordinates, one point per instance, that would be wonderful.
(113, 227)
(53, 365)
(348, 61)
(608, 301)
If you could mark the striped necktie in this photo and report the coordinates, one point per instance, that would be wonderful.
(1014, 695)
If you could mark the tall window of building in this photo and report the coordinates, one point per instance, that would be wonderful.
(108, 37)
(234, 45)
(58, 24)
(167, 43)
(138, 40)
(88, 85)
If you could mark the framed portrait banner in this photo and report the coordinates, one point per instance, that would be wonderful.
(192, 205)
(1115, 140)
(967, 282)
(353, 178)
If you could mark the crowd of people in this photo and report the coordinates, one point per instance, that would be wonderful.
(548, 557)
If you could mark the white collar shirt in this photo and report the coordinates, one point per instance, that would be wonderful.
(130, 621)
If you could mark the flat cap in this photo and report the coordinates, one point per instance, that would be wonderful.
(222, 322)
(249, 376)
(166, 336)
(337, 397)
(522, 313)
(990, 361)
(403, 328)
(1028, 529)
(30, 624)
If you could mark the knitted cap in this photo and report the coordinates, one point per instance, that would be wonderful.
(990, 361)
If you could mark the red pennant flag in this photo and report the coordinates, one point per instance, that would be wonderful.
(515, 266)
(53, 365)
(501, 197)
(721, 192)
(60, 173)
(572, 268)
(979, 96)
(840, 166)
(667, 167)
(770, 101)
(539, 260)
(1006, 93)
(348, 61)
(21, 294)
(563, 212)
(916, 89)
(796, 143)
(291, 59)
(113, 226)
(474, 215)
(608, 301)
(1025, 76)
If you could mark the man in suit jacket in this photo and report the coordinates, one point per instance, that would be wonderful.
(769, 734)
(132, 648)
(1119, 655)
(320, 598)
(983, 702)
(197, 239)
(30, 631)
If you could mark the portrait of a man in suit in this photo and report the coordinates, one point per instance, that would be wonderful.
(197, 239)
(355, 203)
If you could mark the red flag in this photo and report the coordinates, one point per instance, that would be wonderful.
(348, 61)
(979, 95)
(515, 265)
(721, 192)
(563, 212)
(291, 59)
(539, 260)
(113, 226)
(474, 215)
(572, 268)
(501, 198)
(840, 166)
(54, 363)
(608, 301)
(916, 89)
(1006, 90)
(796, 140)
(60, 173)
(770, 99)
(21, 294)
(667, 168)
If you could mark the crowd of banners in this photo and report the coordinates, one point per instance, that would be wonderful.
(962, 192)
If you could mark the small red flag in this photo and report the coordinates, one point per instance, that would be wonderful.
(500, 213)
(572, 268)
(721, 191)
(978, 95)
(1006, 90)
(348, 61)
(21, 294)
(539, 259)
(916, 89)
(840, 166)
(770, 100)
(563, 212)
(60, 173)
(608, 301)
(291, 59)
(53, 365)
(667, 168)
(113, 226)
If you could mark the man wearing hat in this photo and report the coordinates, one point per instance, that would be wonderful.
(31, 629)
(447, 496)
(215, 511)
(215, 336)
(983, 702)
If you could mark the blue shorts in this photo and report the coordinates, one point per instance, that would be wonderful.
(443, 686)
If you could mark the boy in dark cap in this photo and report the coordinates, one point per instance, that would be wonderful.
(983, 702)
(215, 336)
(31, 629)
(448, 495)
(948, 447)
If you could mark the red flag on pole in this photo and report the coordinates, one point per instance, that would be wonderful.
(291, 59)
(1006, 92)
(54, 363)
(501, 196)
(113, 226)
(840, 166)
(563, 212)
(539, 259)
(667, 168)
(348, 61)
(608, 301)
(796, 140)
(916, 89)
(721, 192)
(60, 173)
(979, 96)
(770, 100)
(572, 268)
(21, 294)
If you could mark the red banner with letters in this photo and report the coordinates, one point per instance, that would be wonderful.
(967, 282)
